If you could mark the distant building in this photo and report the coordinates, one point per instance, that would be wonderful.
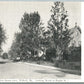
(76, 36)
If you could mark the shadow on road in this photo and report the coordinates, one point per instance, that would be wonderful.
(55, 73)
(70, 71)
(59, 72)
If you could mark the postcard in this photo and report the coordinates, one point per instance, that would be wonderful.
(40, 41)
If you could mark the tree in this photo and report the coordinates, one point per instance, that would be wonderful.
(15, 49)
(28, 40)
(2, 37)
(58, 25)
(31, 27)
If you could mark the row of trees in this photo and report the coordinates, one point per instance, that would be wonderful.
(34, 37)
(53, 43)
(35, 41)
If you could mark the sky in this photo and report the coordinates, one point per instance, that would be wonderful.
(11, 13)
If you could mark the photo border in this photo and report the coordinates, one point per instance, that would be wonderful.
(45, 82)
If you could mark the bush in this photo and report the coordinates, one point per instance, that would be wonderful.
(50, 54)
(5, 56)
(68, 65)
(75, 54)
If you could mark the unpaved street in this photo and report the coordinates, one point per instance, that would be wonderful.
(23, 70)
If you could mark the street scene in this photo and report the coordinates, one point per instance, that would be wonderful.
(40, 40)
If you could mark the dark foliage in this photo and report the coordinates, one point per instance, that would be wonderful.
(75, 54)
(58, 25)
(5, 56)
(28, 40)
(2, 37)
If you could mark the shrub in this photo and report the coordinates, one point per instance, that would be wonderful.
(75, 54)
(5, 56)
(68, 65)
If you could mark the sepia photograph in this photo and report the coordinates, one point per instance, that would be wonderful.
(40, 40)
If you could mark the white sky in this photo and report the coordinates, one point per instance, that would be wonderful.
(11, 13)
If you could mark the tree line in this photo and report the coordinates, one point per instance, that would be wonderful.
(35, 41)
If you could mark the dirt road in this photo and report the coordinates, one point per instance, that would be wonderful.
(23, 70)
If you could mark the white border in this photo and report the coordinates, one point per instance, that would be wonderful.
(60, 80)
